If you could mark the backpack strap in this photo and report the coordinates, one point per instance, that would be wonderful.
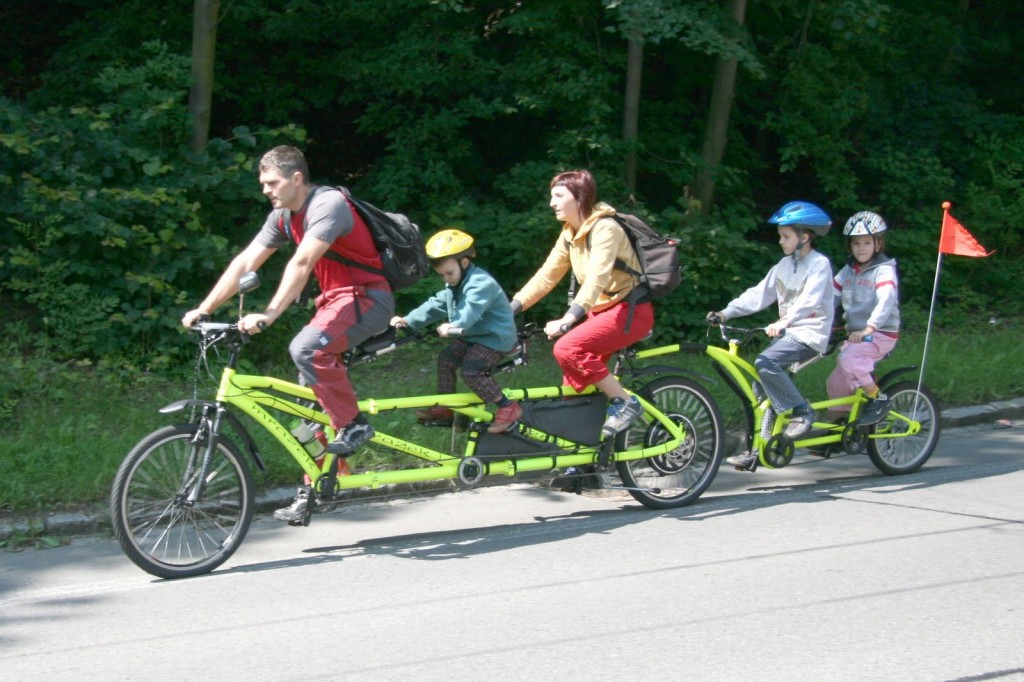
(635, 295)
(285, 225)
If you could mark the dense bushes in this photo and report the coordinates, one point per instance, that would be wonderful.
(459, 114)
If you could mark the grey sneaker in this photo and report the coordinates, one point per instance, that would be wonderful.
(621, 414)
(350, 438)
(874, 411)
(799, 425)
(294, 513)
(743, 461)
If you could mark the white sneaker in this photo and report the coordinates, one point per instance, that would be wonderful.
(293, 514)
(621, 415)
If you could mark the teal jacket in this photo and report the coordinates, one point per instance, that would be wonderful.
(478, 305)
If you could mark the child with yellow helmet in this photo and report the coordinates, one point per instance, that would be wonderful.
(478, 320)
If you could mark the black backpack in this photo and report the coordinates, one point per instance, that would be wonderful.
(658, 255)
(398, 240)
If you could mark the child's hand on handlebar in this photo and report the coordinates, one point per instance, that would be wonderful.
(715, 318)
(862, 335)
(448, 329)
(776, 328)
(398, 322)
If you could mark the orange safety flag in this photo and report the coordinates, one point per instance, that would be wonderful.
(956, 240)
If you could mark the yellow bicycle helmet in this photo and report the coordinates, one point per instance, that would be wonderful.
(450, 243)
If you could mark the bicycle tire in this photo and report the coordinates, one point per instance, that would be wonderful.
(156, 527)
(894, 456)
(679, 477)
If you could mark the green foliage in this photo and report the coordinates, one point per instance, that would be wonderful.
(109, 223)
(459, 113)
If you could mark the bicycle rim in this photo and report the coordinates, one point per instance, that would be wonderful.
(679, 477)
(156, 525)
(904, 455)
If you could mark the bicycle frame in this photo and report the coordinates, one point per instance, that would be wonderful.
(256, 395)
(764, 426)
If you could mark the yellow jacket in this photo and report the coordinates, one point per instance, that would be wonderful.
(591, 253)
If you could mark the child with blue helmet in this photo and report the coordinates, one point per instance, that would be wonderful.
(801, 285)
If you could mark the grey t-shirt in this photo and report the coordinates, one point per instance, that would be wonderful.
(327, 216)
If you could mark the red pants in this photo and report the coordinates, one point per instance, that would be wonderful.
(584, 350)
(336, 327)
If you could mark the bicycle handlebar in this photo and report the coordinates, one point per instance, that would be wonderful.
(745, 334)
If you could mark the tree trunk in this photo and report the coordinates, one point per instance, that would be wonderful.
(718, 119)
(204, 43)
(631, 111)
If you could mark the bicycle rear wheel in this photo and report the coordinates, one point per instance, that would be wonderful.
(156, 524)
(903, 455)
(679, 477)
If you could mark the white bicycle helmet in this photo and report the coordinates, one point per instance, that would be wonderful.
(864, 223)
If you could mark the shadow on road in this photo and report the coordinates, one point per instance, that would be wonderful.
(468, 542)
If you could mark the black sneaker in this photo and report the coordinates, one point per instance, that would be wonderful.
(293, 514)
(744, 461)
(874, 410)
(576, 479)
(351, 437)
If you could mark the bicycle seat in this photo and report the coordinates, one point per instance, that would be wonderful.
(797, 366)
(382, 340)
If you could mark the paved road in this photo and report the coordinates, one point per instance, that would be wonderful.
(823, 570)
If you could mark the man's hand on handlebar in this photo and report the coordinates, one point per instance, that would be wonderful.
(192, 317)
(398, 322)
(715, 318)
(254, 323)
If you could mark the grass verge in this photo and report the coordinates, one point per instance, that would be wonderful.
(69, 426)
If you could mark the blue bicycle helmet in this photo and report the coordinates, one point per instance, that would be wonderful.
(802, 215)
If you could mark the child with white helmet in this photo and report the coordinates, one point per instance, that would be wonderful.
(800, 285)
(867, 288)
(478, 321)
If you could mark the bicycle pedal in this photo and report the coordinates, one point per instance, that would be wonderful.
(441, 423)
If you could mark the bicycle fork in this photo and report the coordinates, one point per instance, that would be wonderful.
(209, 430)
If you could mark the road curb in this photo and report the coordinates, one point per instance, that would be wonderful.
(79, 522)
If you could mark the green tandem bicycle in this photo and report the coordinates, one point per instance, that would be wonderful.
(184, 497)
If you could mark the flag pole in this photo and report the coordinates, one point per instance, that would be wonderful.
(931, 309)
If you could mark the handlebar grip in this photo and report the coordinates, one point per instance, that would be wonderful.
(565, 328)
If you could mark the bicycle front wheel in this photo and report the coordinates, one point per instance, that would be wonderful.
(890, 451)
(679, 477)
(157, 522)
